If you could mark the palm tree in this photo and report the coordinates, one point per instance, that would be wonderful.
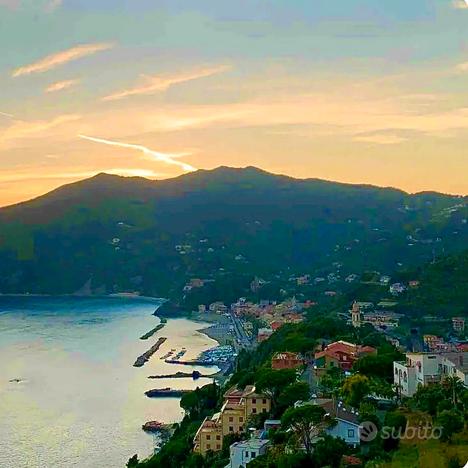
(455, 386)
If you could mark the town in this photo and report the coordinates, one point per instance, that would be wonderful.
(294, 367)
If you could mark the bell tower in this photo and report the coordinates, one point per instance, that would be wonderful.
(356, 315)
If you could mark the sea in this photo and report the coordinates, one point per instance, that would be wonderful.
(69, 394)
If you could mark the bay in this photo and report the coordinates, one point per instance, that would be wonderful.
(69, 394)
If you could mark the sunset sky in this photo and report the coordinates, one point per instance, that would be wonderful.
(359, 91)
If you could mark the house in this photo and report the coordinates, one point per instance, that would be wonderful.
(286, 360)
(239, 406)
(209, 436)
(346, 419)
(458, 324)
(263, 334)
(397, 288)
(413, 284)
(341, 354)
(426, 368)
(218, 307)
(242, 453)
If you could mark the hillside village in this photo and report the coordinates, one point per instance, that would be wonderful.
(307, 386)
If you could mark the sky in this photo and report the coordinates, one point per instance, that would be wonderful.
(357, 91)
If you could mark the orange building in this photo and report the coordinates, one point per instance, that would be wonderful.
(286, 360)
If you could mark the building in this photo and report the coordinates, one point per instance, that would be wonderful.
(397, 288)
(428, 368)
(209, 436)
(341, 354)
(286, 360)
(356, 315)
(218, 307)
(263, 334)
(242, 453)
(458, 324)
(346, 420)
(238, 407)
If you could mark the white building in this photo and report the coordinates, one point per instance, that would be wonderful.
(242, 453)
(426, 368)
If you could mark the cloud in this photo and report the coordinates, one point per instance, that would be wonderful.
(460, 4)
(53, 5)
(155, 84)
(26, 129)
(167, 158)
(380, 139)
(463, 67)
(60, 58)
(10, 4)
(61, 85)
(5, 114)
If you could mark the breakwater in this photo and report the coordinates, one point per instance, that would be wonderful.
(179, 375)
(166, 392)
(144, 358)
(154, 330)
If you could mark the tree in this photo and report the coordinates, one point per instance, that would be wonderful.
(355, 389)
(427, 398)
(133, 461)
(273, 382)
(454, 387)
(306, 421)
(451, 422)
(329, 450)
(396, 421)
(297, 391)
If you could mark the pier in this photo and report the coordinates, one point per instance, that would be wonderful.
(154, 330)
(144, 358)
(166, 392)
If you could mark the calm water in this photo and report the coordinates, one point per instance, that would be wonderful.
(80, 401)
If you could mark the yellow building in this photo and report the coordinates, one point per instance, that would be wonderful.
(232, 418)
(209, 435)
(238, 406)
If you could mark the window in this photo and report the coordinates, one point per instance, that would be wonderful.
(246, 454)
(231, 419)
(264, 410)
(231, 429)
(208, 437)
(254, 410)
(218, 446)
(253, 454)
(208, 446)
(264, 401)
(218, 437)
(241, 428)
(241, 419)
(350, 432)
(254, 401)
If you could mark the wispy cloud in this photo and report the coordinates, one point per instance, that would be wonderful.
(463, 67)
(155, 84)
(53, 5)
(460, 4)
(380, 139)
(5, 114)
(10, 4)
(60, 58)
(168, 158)
(61, 85)
(26, 129)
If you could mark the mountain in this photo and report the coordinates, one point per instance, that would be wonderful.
(112, 234)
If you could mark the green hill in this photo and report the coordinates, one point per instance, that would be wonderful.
(110, 234)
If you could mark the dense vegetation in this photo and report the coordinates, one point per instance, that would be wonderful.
(109, 234)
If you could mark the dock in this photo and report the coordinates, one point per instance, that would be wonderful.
(144, 358)
(166, 392)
